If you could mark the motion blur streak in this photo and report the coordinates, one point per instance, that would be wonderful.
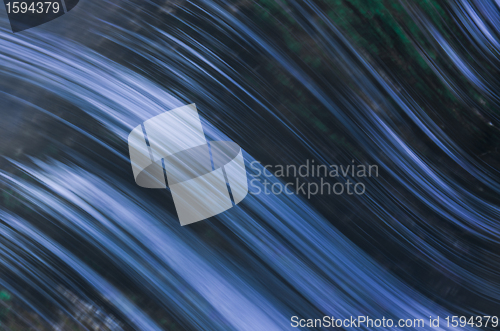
(74, 221)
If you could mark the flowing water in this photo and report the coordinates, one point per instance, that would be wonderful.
(77, 232)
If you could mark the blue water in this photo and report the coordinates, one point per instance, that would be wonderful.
(287, 258)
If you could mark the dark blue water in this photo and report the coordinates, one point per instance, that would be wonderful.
(422, 241)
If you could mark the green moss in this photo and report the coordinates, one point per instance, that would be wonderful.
(5, 296)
